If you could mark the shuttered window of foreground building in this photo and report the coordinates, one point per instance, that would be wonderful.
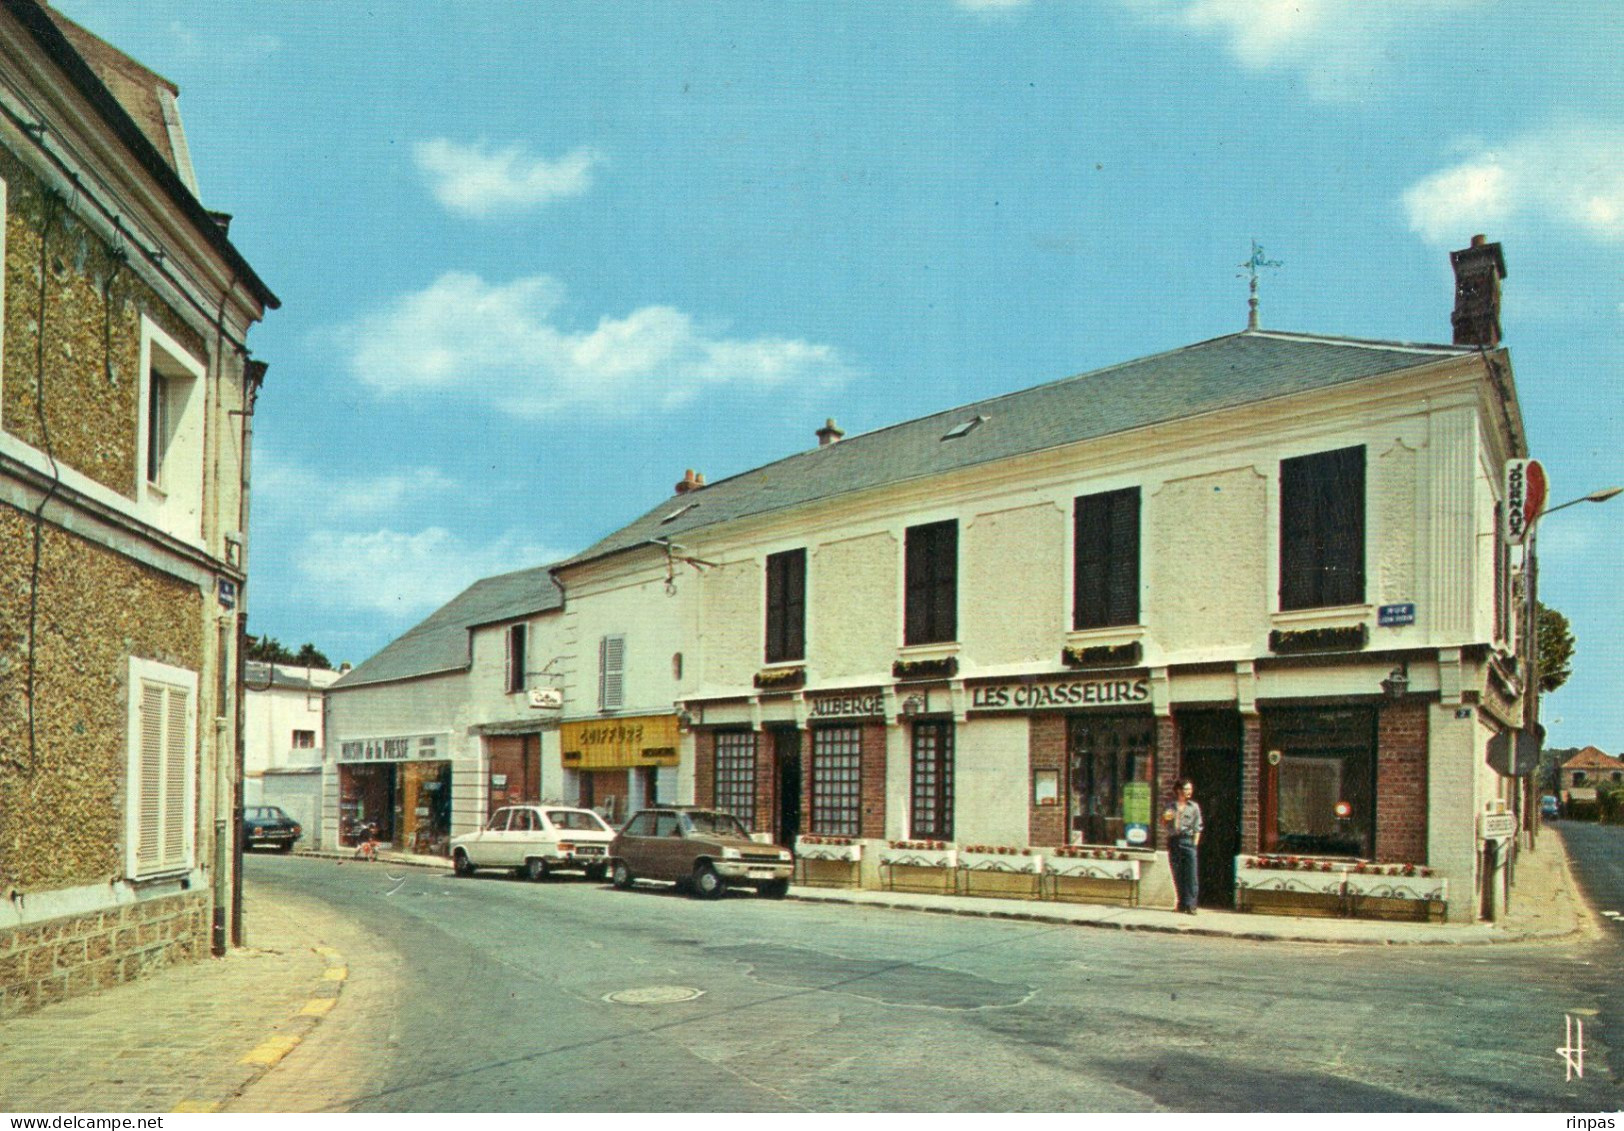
(786, 606)
(1322, 529)
(932, 598)
(611, 673)
(161, 784)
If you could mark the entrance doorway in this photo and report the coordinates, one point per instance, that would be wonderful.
(1210, 756)
(787, 757)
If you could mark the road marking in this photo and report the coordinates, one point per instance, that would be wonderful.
(272, 1051)
(317, 1006)
(336, 973)
(200, 1107)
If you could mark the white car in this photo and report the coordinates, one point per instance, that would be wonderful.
(536, 840)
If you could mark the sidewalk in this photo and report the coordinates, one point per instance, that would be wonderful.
(1545, 905)
(187, 1038)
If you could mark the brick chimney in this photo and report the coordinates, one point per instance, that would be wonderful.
(830, 433)
(1478, 271)
(689, 482)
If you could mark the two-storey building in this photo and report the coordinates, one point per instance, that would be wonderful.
(126, 395)
(284, 730)
(1270, 562)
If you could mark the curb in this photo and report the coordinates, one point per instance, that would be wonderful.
(383, 858)
(266, 1055)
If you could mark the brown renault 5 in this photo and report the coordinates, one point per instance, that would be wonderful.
(708, 850)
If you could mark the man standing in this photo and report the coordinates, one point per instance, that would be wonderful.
(1183, 821)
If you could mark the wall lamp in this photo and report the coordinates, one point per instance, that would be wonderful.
(913, 705)
(1397, 682)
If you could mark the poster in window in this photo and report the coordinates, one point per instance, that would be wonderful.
(1046, 787)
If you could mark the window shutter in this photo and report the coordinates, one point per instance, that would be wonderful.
(149, 800)
(930, 613)
(1122, 602)
(611, 676)
(1106, 548)
(1322, 529)
(795, 606)
(916, 599)
(1299, 551)
(175, 758)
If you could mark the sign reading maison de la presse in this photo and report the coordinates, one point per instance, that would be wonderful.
(411, 748)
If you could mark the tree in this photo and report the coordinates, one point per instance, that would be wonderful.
(308, 656)
(1555, 648)
(270, 650)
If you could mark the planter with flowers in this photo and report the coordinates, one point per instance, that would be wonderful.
(1001, 870)
(919, 865)
(1291, 885)
(1092, 873)
(828, 861)
(1396, 891)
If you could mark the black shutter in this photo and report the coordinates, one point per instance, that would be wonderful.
(1322, 529)
(786, 606)
(1122, 601)
(1105, 580)
(930, 613)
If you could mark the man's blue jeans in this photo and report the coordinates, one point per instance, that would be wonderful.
(1181, 854)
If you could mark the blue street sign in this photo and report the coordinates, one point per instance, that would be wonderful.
(1391, 616)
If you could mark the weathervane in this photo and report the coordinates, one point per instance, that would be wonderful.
(1251, 266)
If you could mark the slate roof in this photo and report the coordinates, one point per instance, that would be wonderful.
(1226, 372)
(441, 642)
(261, 676)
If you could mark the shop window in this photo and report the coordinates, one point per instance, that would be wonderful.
(304, 740)
(161, 785)
(837, 781)
(1324, 786)
(932, 597)
(611, 673)
(736, 775)
(786, 606)
(1113, 775)
(518, 636)
(1322, 529)
(1106, 559)
(931, 817)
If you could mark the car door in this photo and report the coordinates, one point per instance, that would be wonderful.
(485, 850)
(634, 843)
(525, 831)
(667, 849)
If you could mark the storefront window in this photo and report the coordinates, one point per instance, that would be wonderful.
(736, 774)
(932, 812)
(1113, 774)
(1324, 783)
(837, 754)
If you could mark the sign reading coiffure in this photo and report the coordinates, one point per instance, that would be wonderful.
(1059, 694)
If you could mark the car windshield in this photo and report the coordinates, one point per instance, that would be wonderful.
(577, 820)
(713, 824)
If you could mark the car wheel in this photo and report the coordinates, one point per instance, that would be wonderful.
(461, 864)
(707, 882)
(535, 869)
(623, 876)
(596, 872)
(774, 889)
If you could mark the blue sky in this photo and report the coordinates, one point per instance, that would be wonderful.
(538, 258)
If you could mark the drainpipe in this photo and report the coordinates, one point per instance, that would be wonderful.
(253, 378)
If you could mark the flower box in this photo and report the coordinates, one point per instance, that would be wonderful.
(1307, 885)
(919, 865)
(1083, 873)
(815, 873)
(1395, 892)
(1000, 871)
(988, 858)
(843, 848)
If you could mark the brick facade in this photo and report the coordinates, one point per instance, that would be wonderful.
(80, 954)
(1046, 748)
(1401, 783)
(766, 782)
(874, 780)
(1251, 782)
(1169, 768)
(705, 767)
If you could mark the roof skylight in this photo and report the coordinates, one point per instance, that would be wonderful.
(965, 428)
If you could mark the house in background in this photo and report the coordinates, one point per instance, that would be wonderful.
(283, 740)
(126, 398)
(1587, 772)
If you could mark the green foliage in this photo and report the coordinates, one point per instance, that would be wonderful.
(1610, 805)
(270, 650)
(1555, 648)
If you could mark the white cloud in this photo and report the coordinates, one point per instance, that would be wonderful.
(477, 180)
(406, 575)
(501, 340)
(1571, 176)
(327, 496)
(1337, 46)
(991, 5)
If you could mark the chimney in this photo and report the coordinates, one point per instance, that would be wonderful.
(222, 220)
(830, 433)
(1478, 271)
(689, 482)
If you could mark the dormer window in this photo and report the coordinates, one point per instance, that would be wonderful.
(965, 428)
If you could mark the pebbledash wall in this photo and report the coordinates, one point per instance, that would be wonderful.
(1211, 663)
(121, 561)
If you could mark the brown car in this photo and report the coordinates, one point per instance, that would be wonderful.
(706, 849)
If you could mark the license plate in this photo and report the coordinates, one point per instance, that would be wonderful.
(589, 850)
(760, 873)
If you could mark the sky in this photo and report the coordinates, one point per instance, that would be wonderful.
(536, 259)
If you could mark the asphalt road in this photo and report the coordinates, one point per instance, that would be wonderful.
(493, 994)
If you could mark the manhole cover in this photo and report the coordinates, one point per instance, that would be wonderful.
(654, 995)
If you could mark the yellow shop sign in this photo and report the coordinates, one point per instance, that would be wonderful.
(615, 744)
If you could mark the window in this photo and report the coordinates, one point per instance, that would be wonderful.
(169, 428)
(667, 824)
(786, 606)
(1113, 776)
(304, 740)
(498, 822)
(522, 821)
(1322, 529)
(640, 825)
(932, 814)
(1325, 783)
(518, 636)
(1578, 777)
(1106, 565)
(932, 584)
(837, 781)
(736, 774)
(611, 673)
(162, 784)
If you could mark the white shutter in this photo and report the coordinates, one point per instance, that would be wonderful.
(611, 672)
(177, 753)
(161, 782)
(148, 802)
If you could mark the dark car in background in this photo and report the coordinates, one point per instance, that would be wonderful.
(706, 850)
(266, 826)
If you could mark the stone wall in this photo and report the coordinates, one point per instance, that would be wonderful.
(80, 954)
